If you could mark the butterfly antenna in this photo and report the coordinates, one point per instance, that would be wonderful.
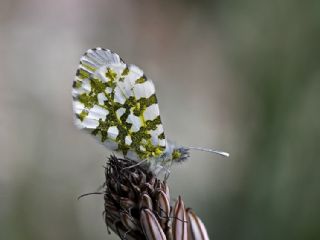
(225, 154)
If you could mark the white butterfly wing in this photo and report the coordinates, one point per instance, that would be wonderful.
(117, 104)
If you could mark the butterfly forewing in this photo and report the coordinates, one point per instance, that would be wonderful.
(117, 104)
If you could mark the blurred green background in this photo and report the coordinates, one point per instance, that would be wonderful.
(240, 76)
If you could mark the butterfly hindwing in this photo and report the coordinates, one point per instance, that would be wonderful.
(117, 104)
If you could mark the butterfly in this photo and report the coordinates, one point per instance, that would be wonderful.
(117, 104)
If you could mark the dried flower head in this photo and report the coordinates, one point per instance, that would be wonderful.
(137, 205)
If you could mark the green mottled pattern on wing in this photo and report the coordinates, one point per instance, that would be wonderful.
(117, 104)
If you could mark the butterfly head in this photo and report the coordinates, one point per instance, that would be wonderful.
(172, 154)
(175, 153)
(180, 154)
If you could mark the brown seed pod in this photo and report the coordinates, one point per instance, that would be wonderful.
(137, 206)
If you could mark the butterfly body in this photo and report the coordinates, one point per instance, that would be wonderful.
(116, 103)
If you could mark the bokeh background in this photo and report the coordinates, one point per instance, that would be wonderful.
(240, 76)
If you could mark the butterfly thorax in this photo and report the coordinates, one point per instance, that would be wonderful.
(172, 154)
